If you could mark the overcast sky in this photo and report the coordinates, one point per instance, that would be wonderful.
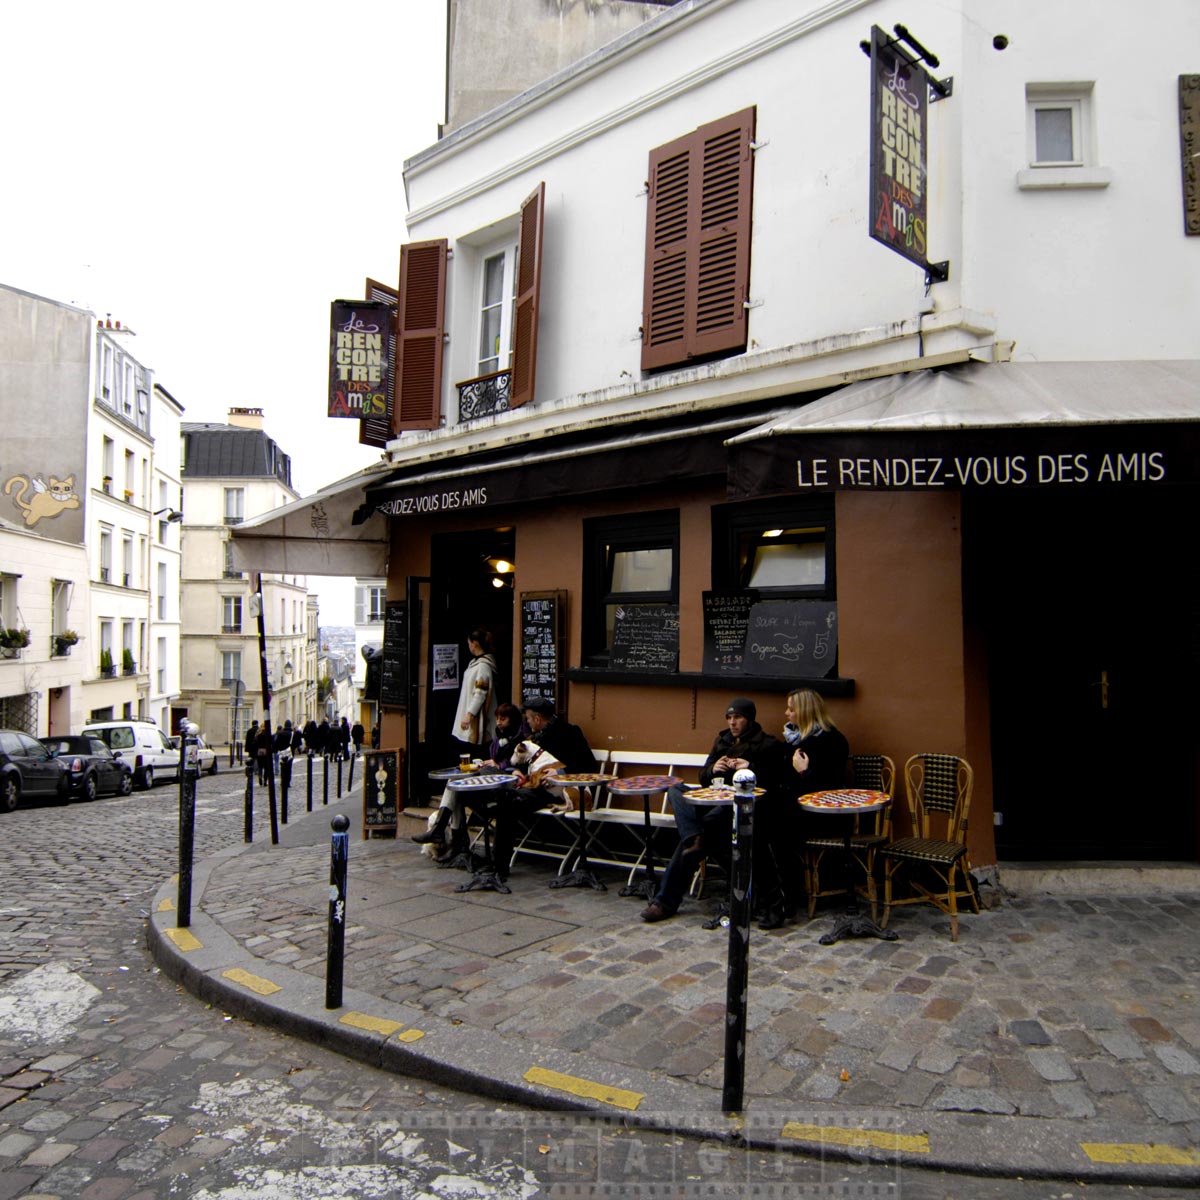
(213, 175)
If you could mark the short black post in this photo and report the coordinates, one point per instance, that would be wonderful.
(231, 756)
(310, 781)
(339, 779)
(339, 855)
(350, 781)
(737, 971)
(285, 782)
(325, 779)
(187, 825)
(248, 830)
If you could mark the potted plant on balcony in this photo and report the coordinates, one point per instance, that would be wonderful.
(128, 665)
(12, 642)
(106, 664)
(64, 640)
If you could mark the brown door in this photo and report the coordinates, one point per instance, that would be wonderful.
(1086, 600)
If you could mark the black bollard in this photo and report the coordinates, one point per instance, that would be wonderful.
(310, 781)
(737, 970)
(339, 779)
(187, 826)
(248, 829)
(285, 782)
(350, 781)
(339, 855)
(325, 779)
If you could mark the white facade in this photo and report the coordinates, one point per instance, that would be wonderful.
(828, 303)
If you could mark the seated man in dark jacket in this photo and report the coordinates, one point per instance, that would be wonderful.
(564, 741)
(704, 830)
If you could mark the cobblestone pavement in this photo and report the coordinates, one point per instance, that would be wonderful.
(117, 1085)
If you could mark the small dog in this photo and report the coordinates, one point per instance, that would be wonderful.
(538, 765)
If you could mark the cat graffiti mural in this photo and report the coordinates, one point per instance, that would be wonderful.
(46, 498)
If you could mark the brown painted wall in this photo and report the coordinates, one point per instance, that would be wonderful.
(900, 619)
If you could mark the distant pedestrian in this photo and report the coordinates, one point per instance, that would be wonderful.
(297, 742)
(375, 736)
(262, 752)
(312, 736)
(325, 737)
(342, 734)
(357, 734)
(251, 743)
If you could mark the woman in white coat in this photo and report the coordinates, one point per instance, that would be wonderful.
(475, 720)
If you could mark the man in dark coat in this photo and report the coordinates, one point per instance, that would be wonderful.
(251, 743)
(341, 736)
(297, 742)
(705, 830)
(357, 736)
(312, 737)
(558, 737)
(325, 737)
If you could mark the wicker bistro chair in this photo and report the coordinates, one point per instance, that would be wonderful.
(938, 788)
(877, 773)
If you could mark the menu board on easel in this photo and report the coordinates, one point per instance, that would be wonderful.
(543, 620)
(381, 791)
(393, 687)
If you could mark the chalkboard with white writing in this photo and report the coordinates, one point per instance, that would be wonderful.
(543, 616)
(791, 637)
(394, 669)
(646, 638)
(381, 790)
(726, 619)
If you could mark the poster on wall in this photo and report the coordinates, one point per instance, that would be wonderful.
(358, 358)
(445, 667)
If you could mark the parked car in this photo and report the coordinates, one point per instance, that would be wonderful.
(207, 755)
(142, 745)
(27, 768)
(94, 769)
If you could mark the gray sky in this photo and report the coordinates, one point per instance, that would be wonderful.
(212, 176)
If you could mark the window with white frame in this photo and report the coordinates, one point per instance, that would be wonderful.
(106, 544)
(231, 666)
(369, 604)
(231, 614)
(127, 561)
(498, 290)
(106, 463)
(8, 600)
(162, 591)
(106, 371)
(1060, 134)
(235, 505)
(162, 665)
(60, 598)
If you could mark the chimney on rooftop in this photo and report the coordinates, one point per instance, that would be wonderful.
(246, 418)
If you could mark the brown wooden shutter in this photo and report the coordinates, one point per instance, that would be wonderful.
(421, 323)
(529, 283)
(698, 244)
(377, 431)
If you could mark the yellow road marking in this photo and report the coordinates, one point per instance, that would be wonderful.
(256, 983)
(1134, 1152)
(617, 1097)
(184, 939)
(374, 1024)
(411, 1035)
(877, 1139)
(166, 906)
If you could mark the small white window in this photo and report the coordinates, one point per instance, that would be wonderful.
(1060, 136)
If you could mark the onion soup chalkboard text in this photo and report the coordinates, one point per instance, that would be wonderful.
(791, 637)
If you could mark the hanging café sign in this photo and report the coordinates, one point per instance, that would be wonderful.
(900, 98)
(358, 358)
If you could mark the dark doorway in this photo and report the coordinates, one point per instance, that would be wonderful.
(468, 590)
(1087, 603)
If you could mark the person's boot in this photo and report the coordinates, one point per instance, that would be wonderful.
(439, 827)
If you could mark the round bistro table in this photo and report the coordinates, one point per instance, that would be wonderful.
(644, 786)
(485, 879)
(581, 875)
(849, 803)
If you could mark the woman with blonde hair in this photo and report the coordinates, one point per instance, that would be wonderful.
(816, 755)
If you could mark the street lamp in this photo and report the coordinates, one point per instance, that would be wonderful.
(173, 514)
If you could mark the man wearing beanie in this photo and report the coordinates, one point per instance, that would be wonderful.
(705, 830)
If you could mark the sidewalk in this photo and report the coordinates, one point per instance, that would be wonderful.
(1059, 1037)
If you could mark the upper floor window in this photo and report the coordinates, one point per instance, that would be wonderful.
(8, 600)
(235, 505)
(106, 371)
(231, 666)
(369, 604)
(697, 272)
(498, 285)
(1060, 134)
(628, 560)
(231, 614)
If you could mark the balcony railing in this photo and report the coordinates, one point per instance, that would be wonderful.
(484, 396)
(104, 574)
(229, 573)
(233, 520)
(232, 628)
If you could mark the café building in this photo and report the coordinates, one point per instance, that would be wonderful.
(673, 420)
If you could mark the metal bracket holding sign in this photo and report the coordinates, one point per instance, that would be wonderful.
(901, 92)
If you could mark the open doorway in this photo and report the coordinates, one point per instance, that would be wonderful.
(471, 585)
(1087, 604)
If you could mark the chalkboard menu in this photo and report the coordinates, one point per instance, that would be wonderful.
(646, 638)
(394, 672)
(542, 622)
(791, 637)
(381, 790)
(726, 619)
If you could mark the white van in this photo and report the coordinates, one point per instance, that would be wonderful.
(142, 745)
